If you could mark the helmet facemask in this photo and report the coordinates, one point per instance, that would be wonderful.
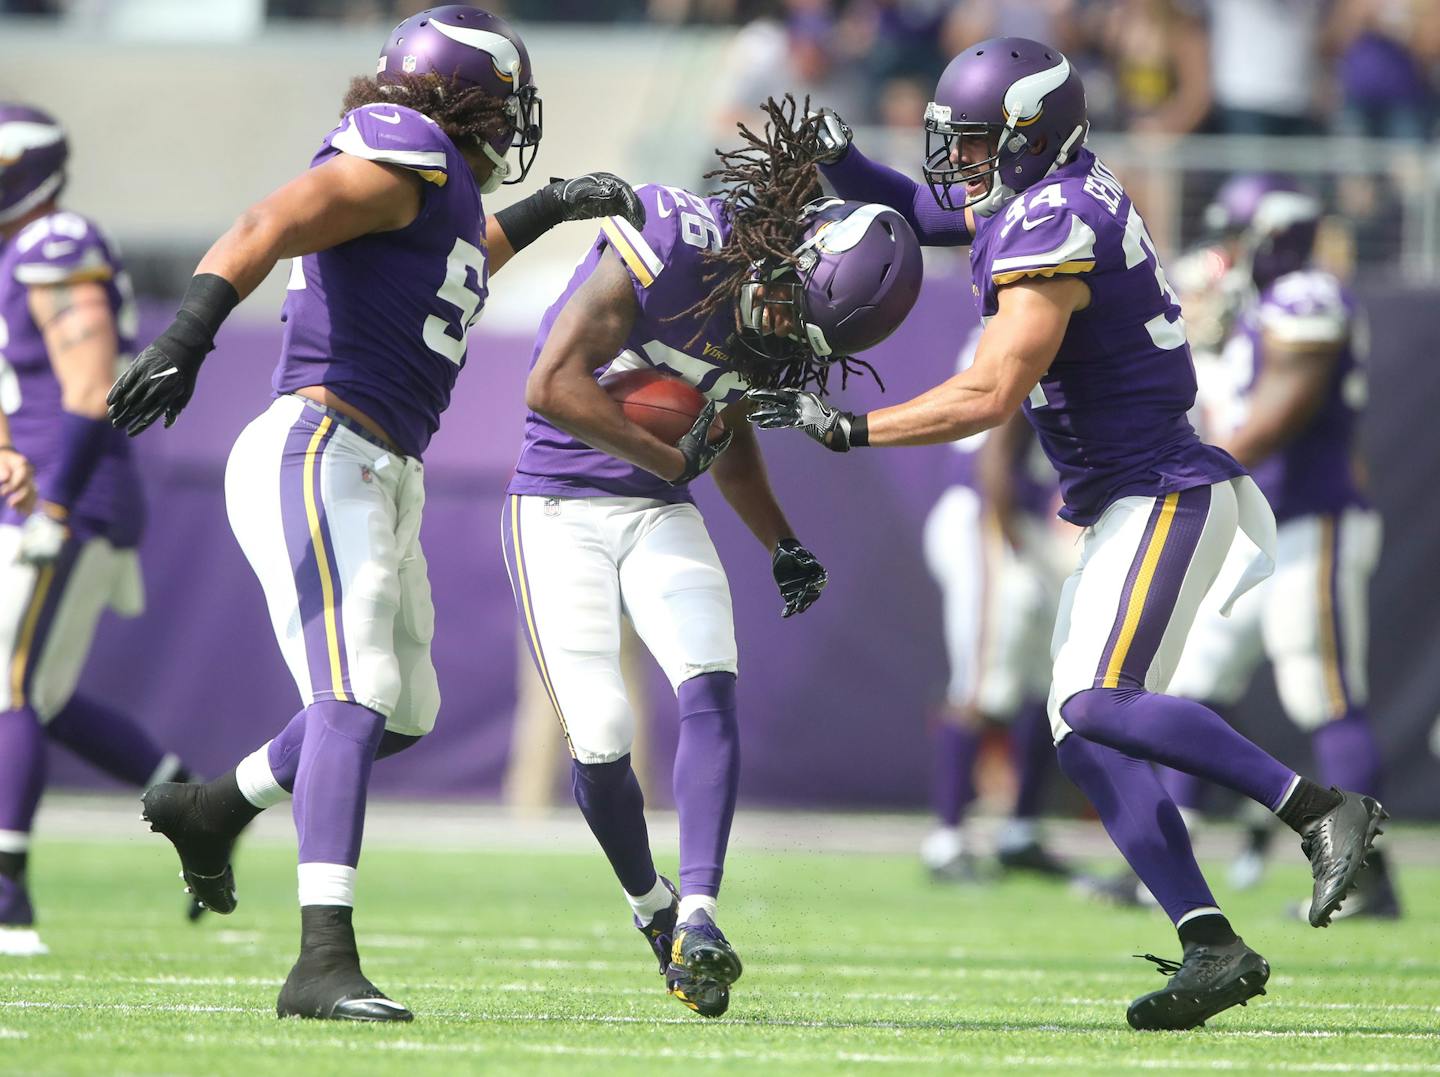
(947, 146)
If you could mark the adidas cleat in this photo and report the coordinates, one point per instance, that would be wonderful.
(1208, 980)
(173, 810)
(705, 997)
(1337, 844)
(660, 931)
(326, 983)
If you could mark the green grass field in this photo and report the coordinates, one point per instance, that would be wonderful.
(525, 963)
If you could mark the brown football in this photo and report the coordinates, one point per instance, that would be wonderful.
(661, 403)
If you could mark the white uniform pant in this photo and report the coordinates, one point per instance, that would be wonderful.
(1311, 619)
(48, 616)
(577, 566)
(330, 522)
(998, 604)
(1145, 567)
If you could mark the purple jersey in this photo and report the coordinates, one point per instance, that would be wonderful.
(381, 320)
(58, 249)
(1314, 473)
(1111, 410)
(665, 267)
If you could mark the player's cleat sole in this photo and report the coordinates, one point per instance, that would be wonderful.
(172, 809)
(705, 997)
(1209, 980)
(1337, 844)
(1035, 858)
(21, 942)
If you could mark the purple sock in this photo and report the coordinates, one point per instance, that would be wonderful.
(1032, 750)
(107, 739)
(609, 797)
(332, 778)
(1179, 733)
(956, 748)
(706, 778)
(1347, 753)
(22, 769)
(1186, 790)
(1141, 820)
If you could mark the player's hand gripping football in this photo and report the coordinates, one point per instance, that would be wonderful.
(597, 194)
(799, 576)
(162, 377)
(777, 408)
(17, 480)
(833, 134)
(699, 451)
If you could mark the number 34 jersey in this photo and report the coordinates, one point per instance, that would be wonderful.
(667, 273)
(381, 320)
(1111, 410)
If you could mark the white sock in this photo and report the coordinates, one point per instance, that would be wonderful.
(257, 783)
(165, 770)
(690, 904)
(326, 884)
(1017, 833)
(941, 845)
(14, 841)
(647, 905)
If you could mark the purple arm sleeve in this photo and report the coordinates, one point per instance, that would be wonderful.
(857, 177)
(82, 443)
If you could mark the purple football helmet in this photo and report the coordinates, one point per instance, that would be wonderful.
(859, 270)
(33, 151)
(996, 105)
(474, 48)
(1272, 217)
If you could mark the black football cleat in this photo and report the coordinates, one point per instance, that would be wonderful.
(326, 983)
(705, 997)
(702, 967)
(174, 810)
(1206, 981)
(1337, 844)
(660, 931)
(1033, 857)
(1374, 896)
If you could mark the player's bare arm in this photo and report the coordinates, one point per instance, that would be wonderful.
(81, 340)
(1287, 393)
(589, 332)
(996, 465)
(17, 476)
(595, 194)
(1016, 349)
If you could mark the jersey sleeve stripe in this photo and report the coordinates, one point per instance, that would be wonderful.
(1075, 254)
(40, 274)
(1304, 328)
(1044, 271)
(429, 164)
(642, 247)
(623, 248)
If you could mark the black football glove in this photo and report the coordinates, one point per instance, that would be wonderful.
(700, 452)
(162, 377)
(834, 136)
(775, 409)
(799, 576)
(597, 194)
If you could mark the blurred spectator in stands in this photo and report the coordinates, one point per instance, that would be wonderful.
(789, 47)
(1054, 22)
(1158, 54)
(1386, 51)
(1264, 65)
(890, 40)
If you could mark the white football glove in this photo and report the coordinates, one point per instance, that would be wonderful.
(775, 409)
(41, 539)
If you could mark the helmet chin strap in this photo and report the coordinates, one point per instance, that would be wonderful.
(498, 174)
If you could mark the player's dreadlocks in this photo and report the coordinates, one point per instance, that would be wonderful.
(767, 182)
(467, 114)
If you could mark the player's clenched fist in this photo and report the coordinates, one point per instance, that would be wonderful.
(775, 409)
(596, 194)
(17, 480)
(162, 377)
(799, 576)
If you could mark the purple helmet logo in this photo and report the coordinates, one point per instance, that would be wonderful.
(859, 271)
(1007, 113)
(1274, 219)
(474, 48)
(33, 151)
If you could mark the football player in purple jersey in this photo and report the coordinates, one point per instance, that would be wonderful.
(392, 253)
(67, 325)
(1285, 402)
(1083, 331)
(763, 285)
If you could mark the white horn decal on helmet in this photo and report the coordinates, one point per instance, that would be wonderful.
(1025, 99)
(500, 47)
(19, 136)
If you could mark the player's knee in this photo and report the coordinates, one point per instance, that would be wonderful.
(1088, 711)
(603, 733)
